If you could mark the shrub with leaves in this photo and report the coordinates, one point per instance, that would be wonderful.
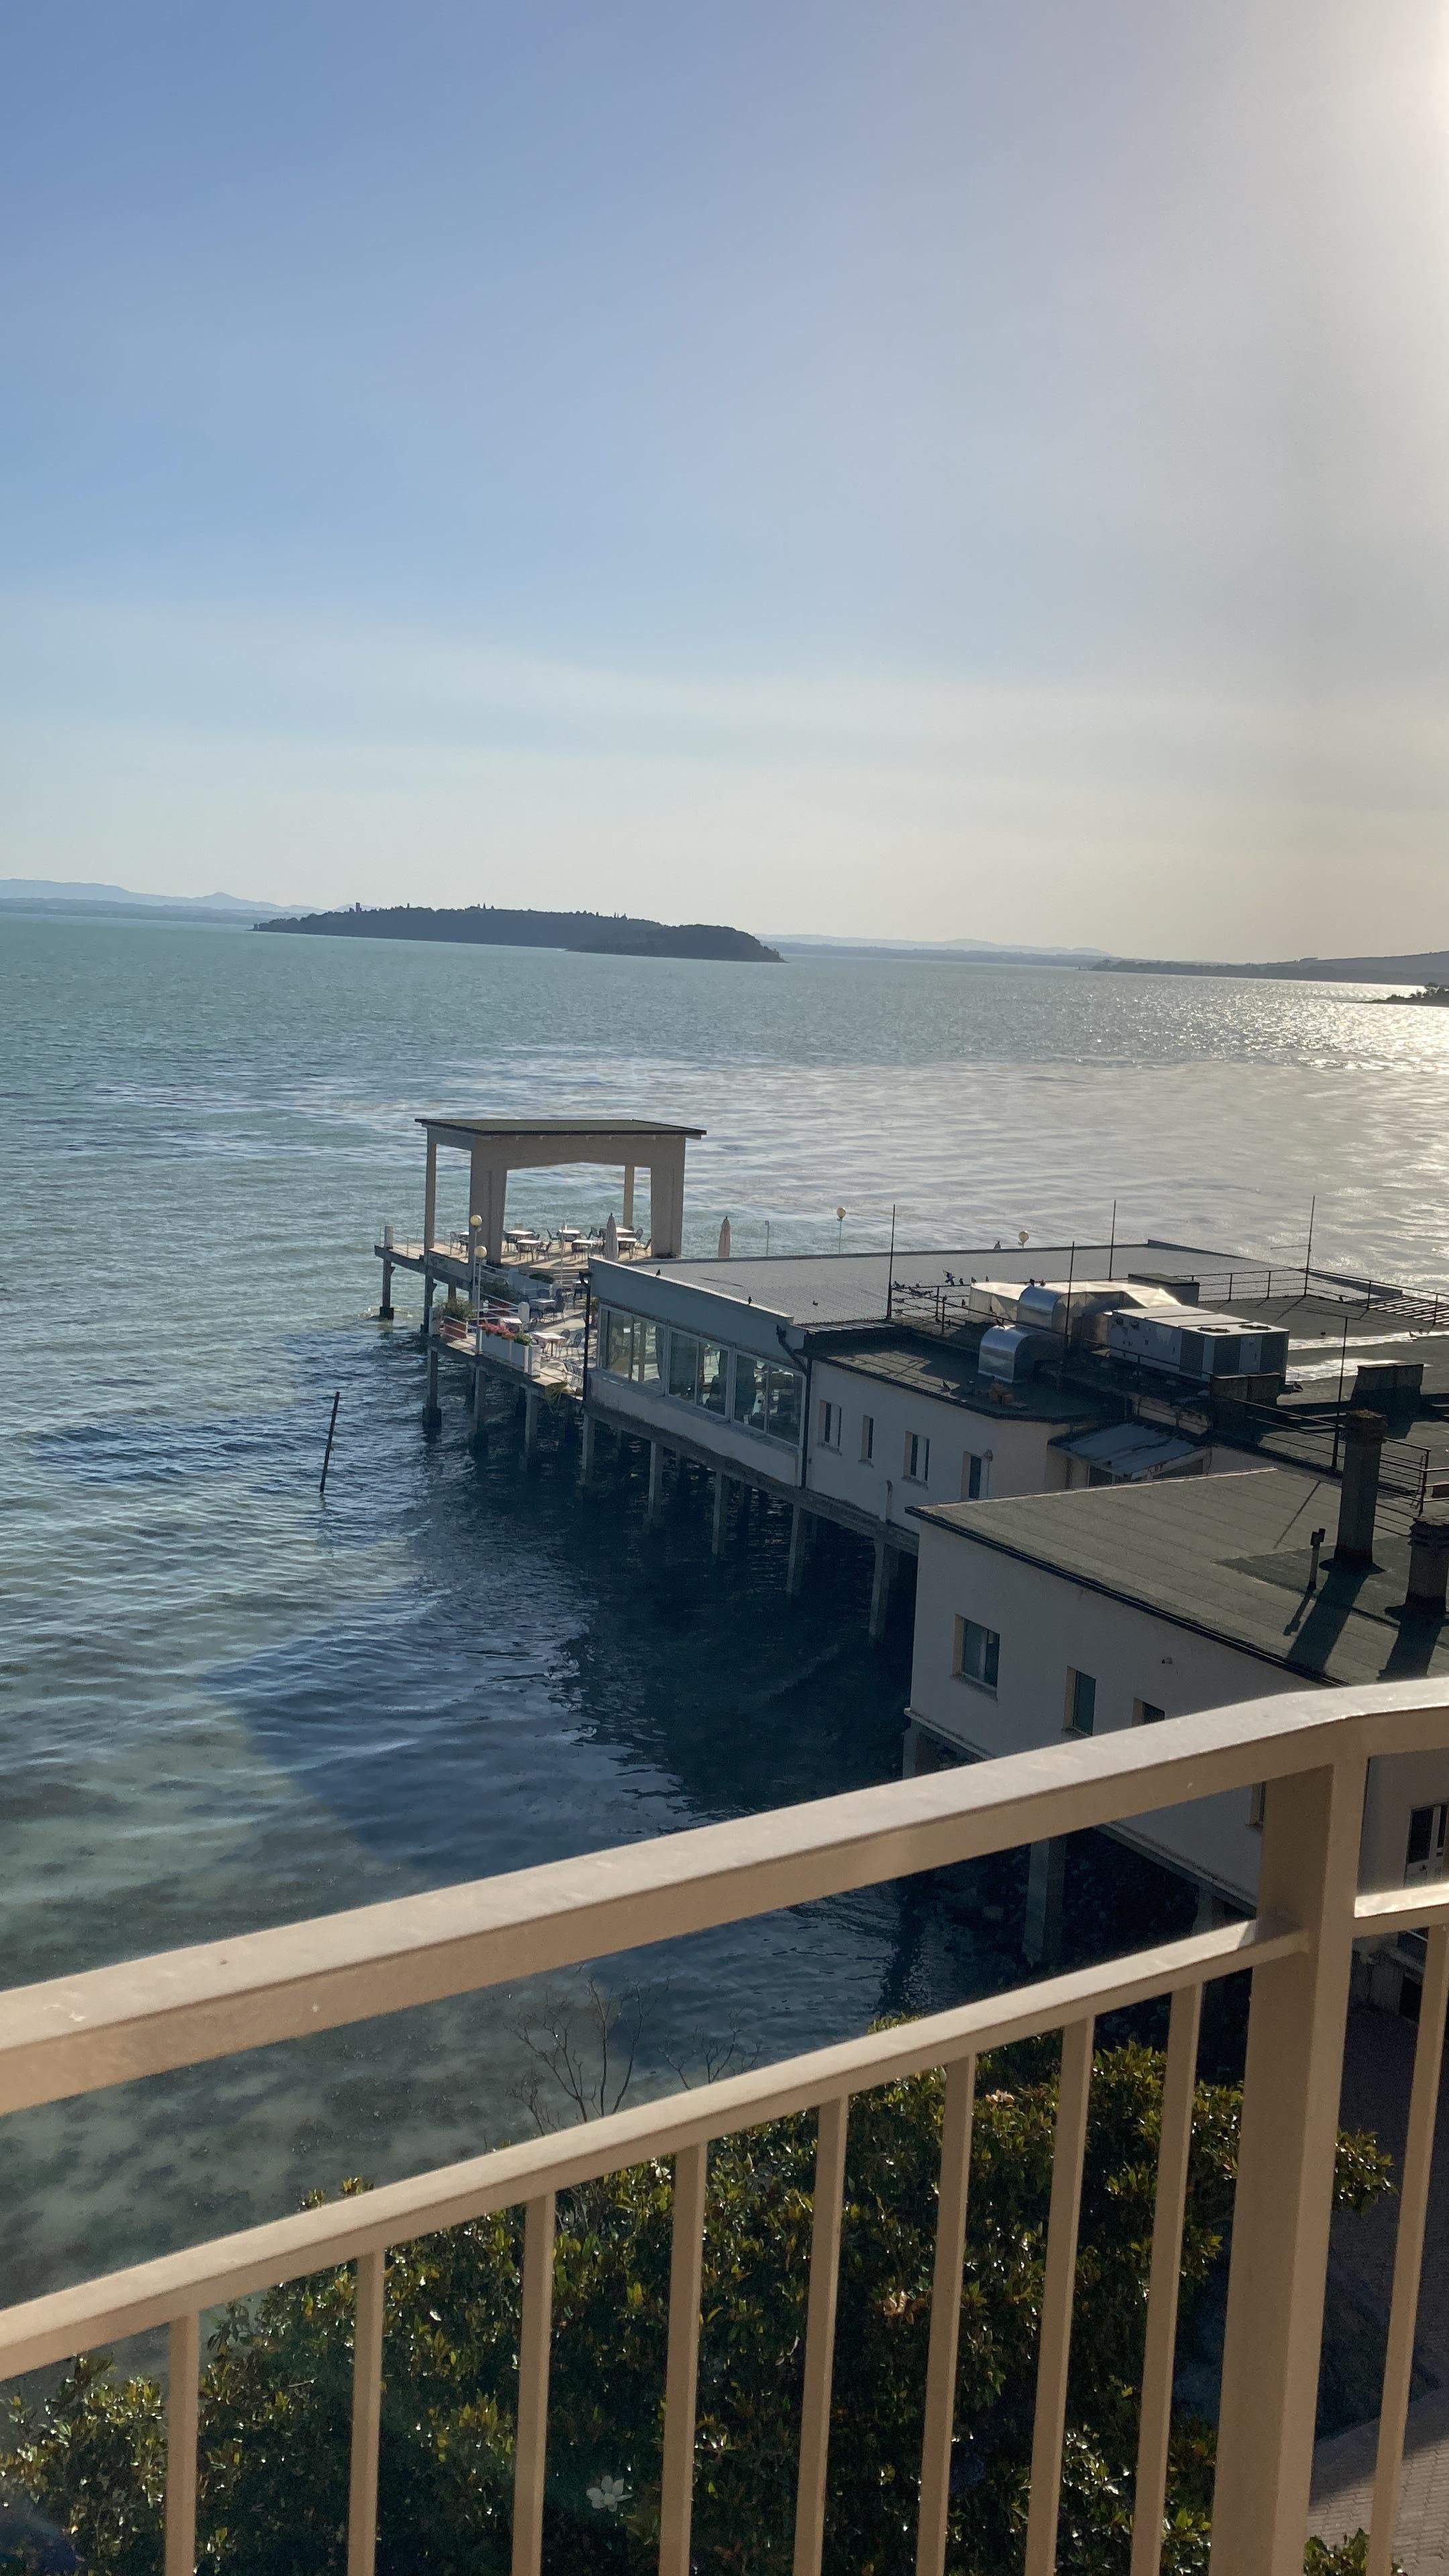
(276, 2388)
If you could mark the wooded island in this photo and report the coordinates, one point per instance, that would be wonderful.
(486, 925)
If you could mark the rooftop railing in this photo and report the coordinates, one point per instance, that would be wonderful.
(80, 2034)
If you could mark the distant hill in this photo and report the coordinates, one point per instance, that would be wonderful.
(481, 925)
(46, 894)
(1426, 966)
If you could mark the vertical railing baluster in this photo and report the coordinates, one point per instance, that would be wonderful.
(1160, 2343)
(366, 2413)
(1409, 2251)
(945, 2318)
(182, 2410)
(535, 2332)
(1283, 2202)
(1049, 2429)
(686, 2273)
(820, 2336)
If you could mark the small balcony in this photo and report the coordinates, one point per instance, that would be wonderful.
(739, 2387)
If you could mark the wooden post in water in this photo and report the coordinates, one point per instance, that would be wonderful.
(327, 1456)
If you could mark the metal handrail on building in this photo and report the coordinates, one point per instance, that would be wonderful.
(79, 2034)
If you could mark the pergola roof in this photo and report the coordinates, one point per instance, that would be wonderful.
(525, 1130)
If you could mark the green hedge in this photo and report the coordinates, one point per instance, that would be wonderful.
(276, 2389)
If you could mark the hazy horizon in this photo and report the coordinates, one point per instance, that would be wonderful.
(946, 475)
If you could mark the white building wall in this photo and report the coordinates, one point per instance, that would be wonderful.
(1050, 1626)
(1017, 1457)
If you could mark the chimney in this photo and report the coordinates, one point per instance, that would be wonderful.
(1364, 1435)
(1428, 1567)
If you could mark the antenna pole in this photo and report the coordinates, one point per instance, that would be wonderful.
(1112, 1247)
(1308, 1255)
(891, 1265)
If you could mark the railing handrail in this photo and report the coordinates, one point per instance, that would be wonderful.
(181, 2007)
(39, 2331)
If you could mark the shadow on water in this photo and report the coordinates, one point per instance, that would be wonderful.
(524, 1674)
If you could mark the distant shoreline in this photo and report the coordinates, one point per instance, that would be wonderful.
(1428, 966)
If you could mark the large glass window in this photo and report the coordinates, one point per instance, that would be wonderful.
(684, 1366)
(783, 1404)
(628, 1347)
(713, 1376)
(750, 1376)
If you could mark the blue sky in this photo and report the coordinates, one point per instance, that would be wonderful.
(929, 471)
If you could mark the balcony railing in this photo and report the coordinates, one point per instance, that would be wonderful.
(77, 2035)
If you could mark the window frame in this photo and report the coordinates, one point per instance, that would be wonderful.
(1075, 1679)
(916, 1469)
(867, 1439)
(989, 1677)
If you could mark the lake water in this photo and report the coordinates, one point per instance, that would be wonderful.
(224, 1705)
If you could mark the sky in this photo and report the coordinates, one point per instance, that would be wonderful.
(934, 471)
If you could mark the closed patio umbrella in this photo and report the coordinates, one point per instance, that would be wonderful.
(724, 1240)
(611, 1239)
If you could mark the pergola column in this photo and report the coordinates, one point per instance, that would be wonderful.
(487, 1193)
(628, 1215)
(430, 1195)
(666, 1202)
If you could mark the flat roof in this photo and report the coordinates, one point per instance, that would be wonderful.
(948, 1371)
(852, 1287)
(559, 1126)
(1229, 1557)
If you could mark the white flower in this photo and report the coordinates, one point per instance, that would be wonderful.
(608, 2495)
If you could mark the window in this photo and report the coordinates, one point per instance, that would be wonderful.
(684, 1366)
(628, 1347)
(829, 1426)
(978, 1652)
(750, 1376)
(918, 1458)
(713, 1376)
(973, 1477)
(1145, 1712)
(1081, 1703)
(1424, 1857)
(867, 1438)
(782, 1404)
(1257, 1805)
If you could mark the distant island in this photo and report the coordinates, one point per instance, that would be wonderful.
(486, 925)
(1429, 966)
(1438, 993)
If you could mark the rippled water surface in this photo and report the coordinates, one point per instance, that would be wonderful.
(225, 1705)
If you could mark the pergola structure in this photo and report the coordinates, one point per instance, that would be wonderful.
(498, 1146)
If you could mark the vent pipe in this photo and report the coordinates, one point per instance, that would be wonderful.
(1428, 1567)
(1364, 1435)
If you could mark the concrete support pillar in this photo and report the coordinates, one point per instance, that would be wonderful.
(428, 1285)
(654, 1509)
(430, 1195)
(384, 1312)
(628, 1216)
(530, 1421)
(432, 1410)
(586, 1448)
(720, 1525)
(480, 1408)
(799, 1543)
(1046, 1873)
(880, 1590)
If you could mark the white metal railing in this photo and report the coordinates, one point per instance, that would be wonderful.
(77, 2035)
